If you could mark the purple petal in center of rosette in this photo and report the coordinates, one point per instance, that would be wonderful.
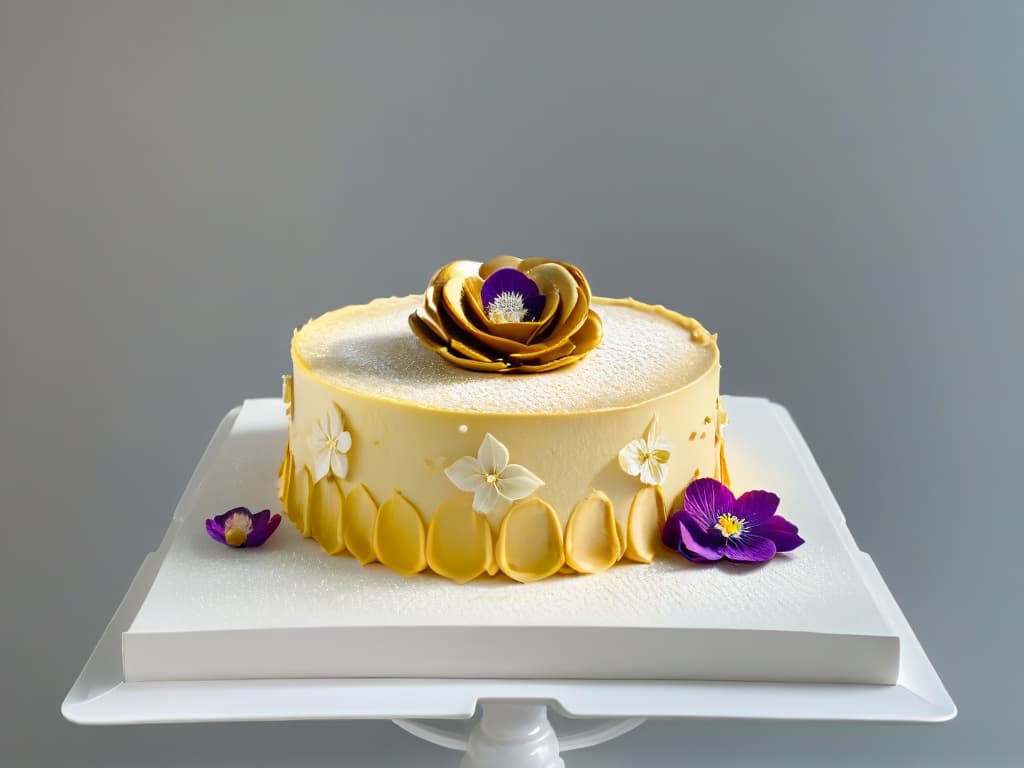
(509, 296)
(713, 524)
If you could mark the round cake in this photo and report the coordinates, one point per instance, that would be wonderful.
(400, 454)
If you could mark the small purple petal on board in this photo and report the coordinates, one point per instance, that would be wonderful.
(755, 507)
(507, 280)
(263, 531)
(782, 532)
(215, 530)
(706, 499)
(263, 525)
(750, 548)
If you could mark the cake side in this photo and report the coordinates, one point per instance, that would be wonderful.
(397, 419)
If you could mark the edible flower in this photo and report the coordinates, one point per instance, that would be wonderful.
(238, 527)
(713, 524)
(647, 457)
(508, 315)
(490, 478)
(509, 296)
(330, 444)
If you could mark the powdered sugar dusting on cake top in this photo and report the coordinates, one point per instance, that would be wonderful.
(370, 349)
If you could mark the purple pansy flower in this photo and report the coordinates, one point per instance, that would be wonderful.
(509, 296)
(713, 524)
(238, 527)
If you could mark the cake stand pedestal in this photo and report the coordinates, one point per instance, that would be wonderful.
(513, 729)
(514, 734)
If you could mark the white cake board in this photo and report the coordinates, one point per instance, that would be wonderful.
(513, 730)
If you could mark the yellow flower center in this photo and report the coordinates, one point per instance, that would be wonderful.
(730, 526)
(491, 478)
(237, 529)
(660, 456)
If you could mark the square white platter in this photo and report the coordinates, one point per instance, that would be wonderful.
(325, 638)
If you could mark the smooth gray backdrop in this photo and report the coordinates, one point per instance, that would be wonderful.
(835, 188)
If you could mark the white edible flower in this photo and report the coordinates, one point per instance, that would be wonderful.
(490, 478)
(330, 442)
(647, 458)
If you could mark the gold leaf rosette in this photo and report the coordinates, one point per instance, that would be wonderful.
(508, 315)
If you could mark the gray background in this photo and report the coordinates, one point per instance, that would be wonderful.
(837, 189)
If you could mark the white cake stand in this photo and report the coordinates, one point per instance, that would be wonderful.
(513, 729)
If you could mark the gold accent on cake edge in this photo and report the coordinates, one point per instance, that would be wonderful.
(284, 474)
(299, 492)
(722, 468)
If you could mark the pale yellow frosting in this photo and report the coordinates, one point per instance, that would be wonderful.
(411, 415)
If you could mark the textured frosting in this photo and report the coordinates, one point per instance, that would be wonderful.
(646, 352)
(395, 455)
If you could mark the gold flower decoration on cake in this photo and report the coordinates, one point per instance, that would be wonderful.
(508, 315)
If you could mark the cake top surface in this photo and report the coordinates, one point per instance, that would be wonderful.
(646, 352)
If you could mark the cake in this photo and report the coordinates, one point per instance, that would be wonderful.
(504, 421)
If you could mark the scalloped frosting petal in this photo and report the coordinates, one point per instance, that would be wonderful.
(326, 505)
(460, 545)
(284, 475)
(427, 329)
(455, 270)
(646, 518)
(530, 542)
(357, 524)
(399, 537)
(299, 491)
(553, 279)
(549, 366)
(592, 541)
(470, 364)
(590, 333)
(499, 262)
